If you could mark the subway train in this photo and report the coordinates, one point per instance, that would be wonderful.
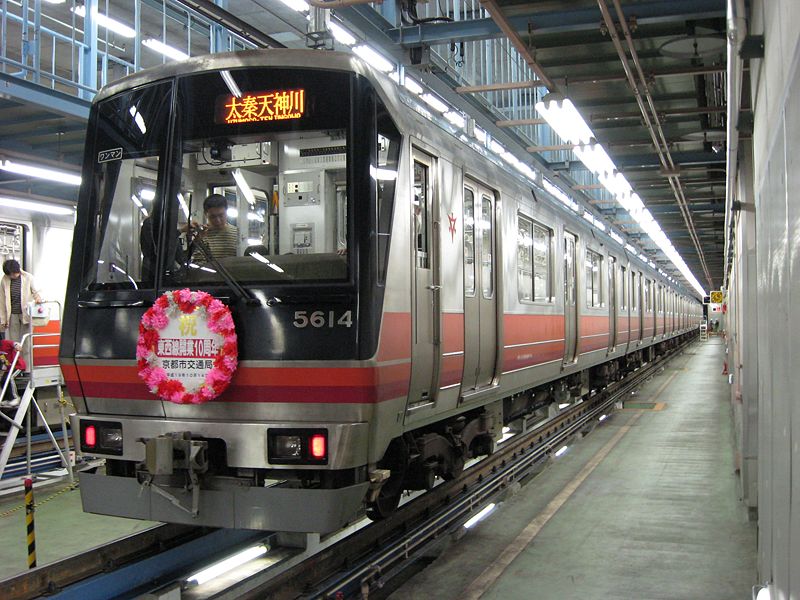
(390, 297)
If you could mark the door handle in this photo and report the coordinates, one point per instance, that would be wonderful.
(434, 288)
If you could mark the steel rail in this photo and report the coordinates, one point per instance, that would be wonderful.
(371, 572)
(422, 521)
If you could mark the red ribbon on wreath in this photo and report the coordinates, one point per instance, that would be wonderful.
(202, 350)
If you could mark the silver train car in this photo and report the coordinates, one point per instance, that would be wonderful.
(397, 297)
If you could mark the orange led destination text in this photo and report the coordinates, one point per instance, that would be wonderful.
(265, 106)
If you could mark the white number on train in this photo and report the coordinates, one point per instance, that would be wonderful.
(321, 318)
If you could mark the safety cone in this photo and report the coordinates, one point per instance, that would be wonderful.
(725, 367)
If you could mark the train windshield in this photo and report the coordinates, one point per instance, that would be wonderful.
(246, 177)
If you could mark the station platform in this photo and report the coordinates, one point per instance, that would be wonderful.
(645, 507)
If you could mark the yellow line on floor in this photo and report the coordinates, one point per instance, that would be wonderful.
(482, 583)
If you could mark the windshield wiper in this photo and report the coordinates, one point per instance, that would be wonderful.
(244, 294)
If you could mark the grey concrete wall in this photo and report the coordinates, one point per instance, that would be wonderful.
(776, 184)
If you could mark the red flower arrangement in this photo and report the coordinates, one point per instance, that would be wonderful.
(218, 317)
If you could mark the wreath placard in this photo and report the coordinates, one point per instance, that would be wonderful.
(187, 351)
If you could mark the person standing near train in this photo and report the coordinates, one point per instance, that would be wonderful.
(16, 291)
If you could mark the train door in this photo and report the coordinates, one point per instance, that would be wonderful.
(613, 309)
(480, 294)
(570, 296)
(426, 292)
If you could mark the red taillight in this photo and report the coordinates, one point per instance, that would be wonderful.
(90, 436)
(318, 449)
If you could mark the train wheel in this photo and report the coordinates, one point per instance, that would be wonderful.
(396, 460)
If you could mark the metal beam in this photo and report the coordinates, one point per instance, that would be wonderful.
(555, 22)
(45, 98)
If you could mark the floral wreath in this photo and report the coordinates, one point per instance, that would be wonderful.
(219, 320)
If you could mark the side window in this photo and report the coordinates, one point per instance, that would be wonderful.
(487, 247)
(421, 195)
(623, 301)
(469, 242)
(636, 291)
(388, 157)
(594, 263)
(534, 242)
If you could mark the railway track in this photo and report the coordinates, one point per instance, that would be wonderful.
(347, 564)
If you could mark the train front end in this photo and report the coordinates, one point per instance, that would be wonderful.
(222, 353)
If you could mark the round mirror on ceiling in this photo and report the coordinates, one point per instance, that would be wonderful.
(694, 46)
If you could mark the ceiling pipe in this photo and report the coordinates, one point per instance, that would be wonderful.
(737, 30)
(340, 3)
(590, 79)
(650, 117)
(675, 179)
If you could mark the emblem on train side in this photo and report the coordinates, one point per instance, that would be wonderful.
(109, 155)
(452, 228)
(187, 350)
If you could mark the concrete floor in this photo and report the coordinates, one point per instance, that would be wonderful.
(657, 518)
(62, 528)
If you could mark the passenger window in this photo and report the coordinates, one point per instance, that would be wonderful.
(487, 247)
(421, 194)
(594, 262)
(469, 242)
(533, 261)
(623, 302)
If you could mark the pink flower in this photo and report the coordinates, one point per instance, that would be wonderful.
(206, 393)
(221, 323)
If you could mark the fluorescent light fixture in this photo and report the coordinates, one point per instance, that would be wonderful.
(138, 119)
(616, 237)
(569, 125)
(563, 405)
(231, 83)
(297, 5)
(561, 451)
(412, 86)
(764, 593)
(148, 194)
(238, 176)
(136, 201)
(434, 102)
(480, 516)
(55, 1)
(182, 202)
(252, 216)
(52, 209)
(564, 119)
(144, 211)
(104, 21)
(630, 248)
(40, 172)
(340, 34)
(232, 212)
(162, 48)
(602, 418)
(196, 266)
(373, 58)
(254, 242)
(382, 174)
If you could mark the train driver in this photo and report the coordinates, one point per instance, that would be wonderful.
(217, 238)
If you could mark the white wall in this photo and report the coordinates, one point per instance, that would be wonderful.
(776, 182)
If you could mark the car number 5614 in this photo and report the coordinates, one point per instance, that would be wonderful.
(321, 318)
